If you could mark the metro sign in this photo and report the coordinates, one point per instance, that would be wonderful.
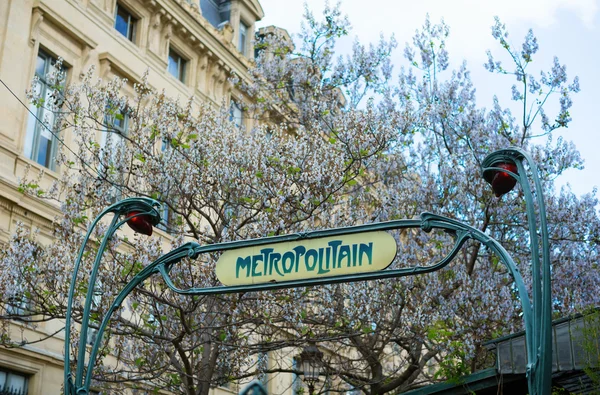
(304, 259)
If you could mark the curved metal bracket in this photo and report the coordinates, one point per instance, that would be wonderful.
(144, 206)
(539, 332)
(428, 222)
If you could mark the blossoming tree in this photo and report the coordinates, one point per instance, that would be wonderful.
(395, 335)
(321, 156)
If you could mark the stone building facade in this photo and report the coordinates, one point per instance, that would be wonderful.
(191, 48)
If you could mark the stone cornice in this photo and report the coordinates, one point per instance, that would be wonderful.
(38, 211)
(255, 7)
(110, 63)
(43, 11)
(187, 23)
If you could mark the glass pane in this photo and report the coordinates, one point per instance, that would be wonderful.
(40, 65)
(577, 334)
(174, 64)
(118, 123)
(2, 379)
(16, 382)
(122, 21)
(43, 156)
(242, 38)
(165, 216)
(554, 351)
(505, 357)
(182, 65)
(519, 354)
(48, 118)
(131, 35)
(37, 89)
(563, 343)
(236, 114)
(39, 142)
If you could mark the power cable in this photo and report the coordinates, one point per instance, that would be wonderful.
(61, 141)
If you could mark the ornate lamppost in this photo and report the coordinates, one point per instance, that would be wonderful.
(311, 359)
(502, 169)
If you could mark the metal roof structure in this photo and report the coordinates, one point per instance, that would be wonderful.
(569, 359)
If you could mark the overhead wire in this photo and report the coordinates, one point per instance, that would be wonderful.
(62, 142)
(55, 135)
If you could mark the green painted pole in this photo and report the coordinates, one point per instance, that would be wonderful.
(140, 206)
(539, 336)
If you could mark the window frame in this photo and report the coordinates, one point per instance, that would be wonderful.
(233, 116)
(92, 333)
(262, 364)
(36, 126)
(8, 373)
(243, 38)
(118, 135)
(132, 22)
(181, 63)
(18, 307)
(167, 216)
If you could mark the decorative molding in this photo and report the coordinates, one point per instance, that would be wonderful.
(156, 19)
(196, 9)
(167, 34)
(226, 30)
(169, 17)
(183, 32)
(109, 63)
(86, 56)
(254, 7)
(37, 17)
(98, 10)
(5, 204)
(154, 38)
(75, 33)
(15, 209)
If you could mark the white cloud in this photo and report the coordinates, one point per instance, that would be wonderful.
(469, 20)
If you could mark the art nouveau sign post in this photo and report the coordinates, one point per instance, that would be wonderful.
(357, 253)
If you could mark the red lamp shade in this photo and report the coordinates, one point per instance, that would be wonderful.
(140, 223)
(502, 182)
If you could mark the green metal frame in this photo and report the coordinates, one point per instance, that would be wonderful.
(538, 329)
(537, 332)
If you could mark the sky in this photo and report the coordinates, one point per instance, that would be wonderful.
(568, 29)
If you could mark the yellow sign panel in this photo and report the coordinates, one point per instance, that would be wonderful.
(303, 259)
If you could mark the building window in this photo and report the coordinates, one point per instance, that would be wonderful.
(117, 121)
(113, 144)
(243, 38)
(92, 333)
(262, 365)
(125, 23)
(353, 391)
(177, 65)
(236, 114)
(40, 140)
(18, 307)
(296, 380)
(167, 216)
(12, 383)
